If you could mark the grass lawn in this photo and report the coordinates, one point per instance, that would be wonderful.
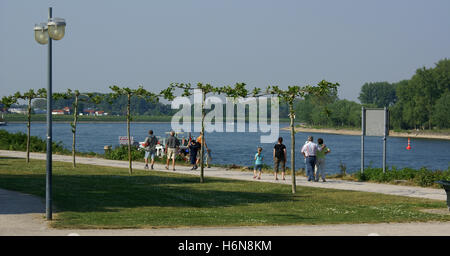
(105, 197)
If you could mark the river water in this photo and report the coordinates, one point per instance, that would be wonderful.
(240, 147)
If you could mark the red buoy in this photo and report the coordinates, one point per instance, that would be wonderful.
(409, 144)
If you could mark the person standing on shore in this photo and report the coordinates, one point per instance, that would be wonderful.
(150, 148)
(320, 163)
(309, 151)
(207, 152)
(172, 149)
(194, 146)
(279, 157)
(258, 163)
(304, 159)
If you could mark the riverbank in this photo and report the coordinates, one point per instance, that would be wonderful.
(409, 134)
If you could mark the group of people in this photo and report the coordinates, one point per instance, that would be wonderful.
(172, 148)
(313, 154)
(195, 147)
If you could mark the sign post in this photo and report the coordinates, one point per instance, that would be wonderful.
(386, 133)
(363, 133)
(375, 122)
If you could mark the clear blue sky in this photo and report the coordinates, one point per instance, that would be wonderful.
(258, 42)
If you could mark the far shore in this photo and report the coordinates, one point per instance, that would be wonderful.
(411, 134)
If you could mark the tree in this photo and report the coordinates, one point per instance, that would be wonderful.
(441, 113)
(75, 96)
(238, 91)
(289, 96)
(426, 93)
(345, 113)
(7, 101)
(129, 93)
(441, 74)
(382, 94)
(303, 110)
(417, 97)
(40, 103)
(28, 96)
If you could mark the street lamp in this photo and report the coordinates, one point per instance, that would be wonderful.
(44, 33)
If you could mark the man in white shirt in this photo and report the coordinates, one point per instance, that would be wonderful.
(309, 151)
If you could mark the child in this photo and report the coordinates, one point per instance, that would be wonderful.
(258, 163)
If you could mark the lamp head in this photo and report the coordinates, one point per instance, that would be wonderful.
(41, 33)
(56, 28)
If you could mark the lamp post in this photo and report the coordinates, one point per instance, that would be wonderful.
(44, 33)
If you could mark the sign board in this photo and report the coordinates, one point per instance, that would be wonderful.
(123, 140)
(376, 122)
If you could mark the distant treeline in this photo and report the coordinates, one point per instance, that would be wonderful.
(422, 102)
(118, 107)
(139, 107)
(85, 118)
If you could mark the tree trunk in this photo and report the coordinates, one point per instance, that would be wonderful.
(128, 134)
(74, 130)
(202, 153)
(291, 116)
(29, 130)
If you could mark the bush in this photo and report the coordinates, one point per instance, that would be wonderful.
(121, 153)
(422, 177)
(18, 141)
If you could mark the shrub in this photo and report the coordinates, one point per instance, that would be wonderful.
(422, 177)
(18, 141)
(121, 153)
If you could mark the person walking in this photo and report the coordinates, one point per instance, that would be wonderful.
(309, 151)
(194, 146)
(320, 163)
(258, 163)
(172, 146)
(279, 157)
(150, 148)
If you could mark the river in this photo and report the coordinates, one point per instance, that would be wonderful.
(240, 147)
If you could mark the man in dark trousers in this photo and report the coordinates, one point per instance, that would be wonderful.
(309, 151)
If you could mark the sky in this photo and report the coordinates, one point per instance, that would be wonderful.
(258, 42)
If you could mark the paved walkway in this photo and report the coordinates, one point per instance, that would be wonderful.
(22, 214)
